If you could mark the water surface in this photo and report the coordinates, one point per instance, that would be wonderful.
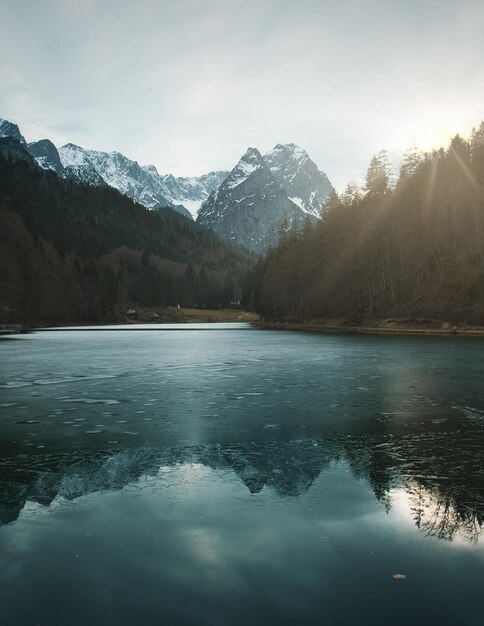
(240, 477)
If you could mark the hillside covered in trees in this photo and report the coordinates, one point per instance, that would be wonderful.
(411, 249)
(73, 253)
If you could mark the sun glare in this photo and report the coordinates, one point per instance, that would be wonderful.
(430, 132)
(435, 136)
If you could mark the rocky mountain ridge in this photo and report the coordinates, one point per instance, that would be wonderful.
(143, 184)
(263, 192)
(245, 206)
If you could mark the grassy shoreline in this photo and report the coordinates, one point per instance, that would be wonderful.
(182, 315)
(156, 315)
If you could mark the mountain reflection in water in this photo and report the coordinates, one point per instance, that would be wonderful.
(261, 478)
(441, 475)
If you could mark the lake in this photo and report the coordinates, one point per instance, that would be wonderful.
(240, 476)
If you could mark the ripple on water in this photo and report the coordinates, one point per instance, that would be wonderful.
(14, 384)
(471, 412)
(91, 400)
(53, 381)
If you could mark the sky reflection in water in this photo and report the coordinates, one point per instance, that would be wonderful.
(234, 478)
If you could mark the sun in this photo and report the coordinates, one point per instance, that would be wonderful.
(434, 136)
(430, 131)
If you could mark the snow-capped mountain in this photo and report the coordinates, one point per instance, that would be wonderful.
(96, 168)
(43, 151)
(192, 191)
(8, 129)
(127, 176)
(14, 151)
(142, 183)
(46, 155)
(245, 206)
(300, 177)
(263, 191)
(85, 174)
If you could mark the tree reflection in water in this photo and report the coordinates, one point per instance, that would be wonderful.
(440, 473)
(438, 515)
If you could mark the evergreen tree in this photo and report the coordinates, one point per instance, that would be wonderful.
(415, 251)
(411, 160)
(351, 195)
(378, 175)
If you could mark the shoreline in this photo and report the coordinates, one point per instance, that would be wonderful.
(161, 317)
(379, 328)
(395, 327)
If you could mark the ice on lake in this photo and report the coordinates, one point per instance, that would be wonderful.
(328, 480)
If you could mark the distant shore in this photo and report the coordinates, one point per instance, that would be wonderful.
(157, 315)
(378, 327)
(183, 315)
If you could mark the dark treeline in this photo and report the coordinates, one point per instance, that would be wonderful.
(414, 248)
(73, 253)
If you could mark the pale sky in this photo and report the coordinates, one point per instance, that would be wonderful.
(188, 85)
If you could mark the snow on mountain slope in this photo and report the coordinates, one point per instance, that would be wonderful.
(304, 183)
(191, 191)
(46, 155)
(249, 206)
(246, 205)
(70, 154)
(85, 175)
(142, 184)
(8, 129)
(248, 164)
(263, 191)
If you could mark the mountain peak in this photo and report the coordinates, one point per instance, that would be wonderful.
(250, 162)
(306, 186)
(263, 191)
(151, 169)
(46, 155)
(287, 151)
(71, 154)
(251, 154)
(9, 129)
(14, 151)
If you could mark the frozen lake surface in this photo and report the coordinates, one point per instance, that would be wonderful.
(240, 477)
